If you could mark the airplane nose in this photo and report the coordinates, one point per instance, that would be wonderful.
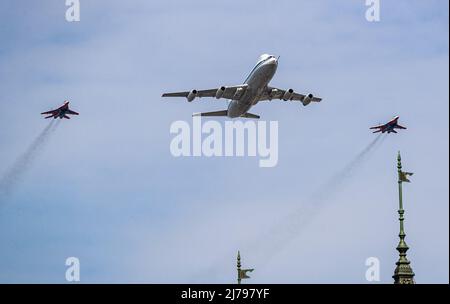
(273, 61)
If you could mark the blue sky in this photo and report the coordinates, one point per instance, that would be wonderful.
(106, 189)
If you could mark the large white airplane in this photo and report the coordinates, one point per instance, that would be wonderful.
(254, 89)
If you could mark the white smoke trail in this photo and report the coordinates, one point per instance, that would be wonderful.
(12, 177)
(338, 180)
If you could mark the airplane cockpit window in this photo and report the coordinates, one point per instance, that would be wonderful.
(263, 57)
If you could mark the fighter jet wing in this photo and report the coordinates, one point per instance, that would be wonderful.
(72, 112)
(274, 93)
(222, 92)
(49, 112)
(378, 127)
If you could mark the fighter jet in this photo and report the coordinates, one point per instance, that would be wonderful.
(254, 89)
(388, 127)
(61, 112)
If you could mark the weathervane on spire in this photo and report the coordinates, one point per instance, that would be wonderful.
(242, 273)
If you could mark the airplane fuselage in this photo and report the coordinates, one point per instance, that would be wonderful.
(62, 111)
(60, 114)
(389, 128)
(256, 82)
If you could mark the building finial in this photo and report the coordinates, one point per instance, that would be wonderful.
(242, 273)
(239, 267)
(403, 273)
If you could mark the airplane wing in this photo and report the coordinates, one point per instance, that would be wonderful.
(274, 93)
(400, 127)
(49, 112)
(72, 112)
(222, 92)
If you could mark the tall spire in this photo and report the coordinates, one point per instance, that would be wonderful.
(403, 273)
(242, 273)
(239, 267)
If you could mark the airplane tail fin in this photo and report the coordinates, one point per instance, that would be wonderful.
(66, 117)
(377, 131)
(250, 115)
(50, 116)
(215, 113)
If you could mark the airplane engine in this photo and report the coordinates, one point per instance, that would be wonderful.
(191, 96)
(288, 94)
(237, 95)
(272, 93)
(307, 100)
(220, 92)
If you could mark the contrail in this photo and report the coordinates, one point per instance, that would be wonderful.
(13, 176)
(337, 181)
